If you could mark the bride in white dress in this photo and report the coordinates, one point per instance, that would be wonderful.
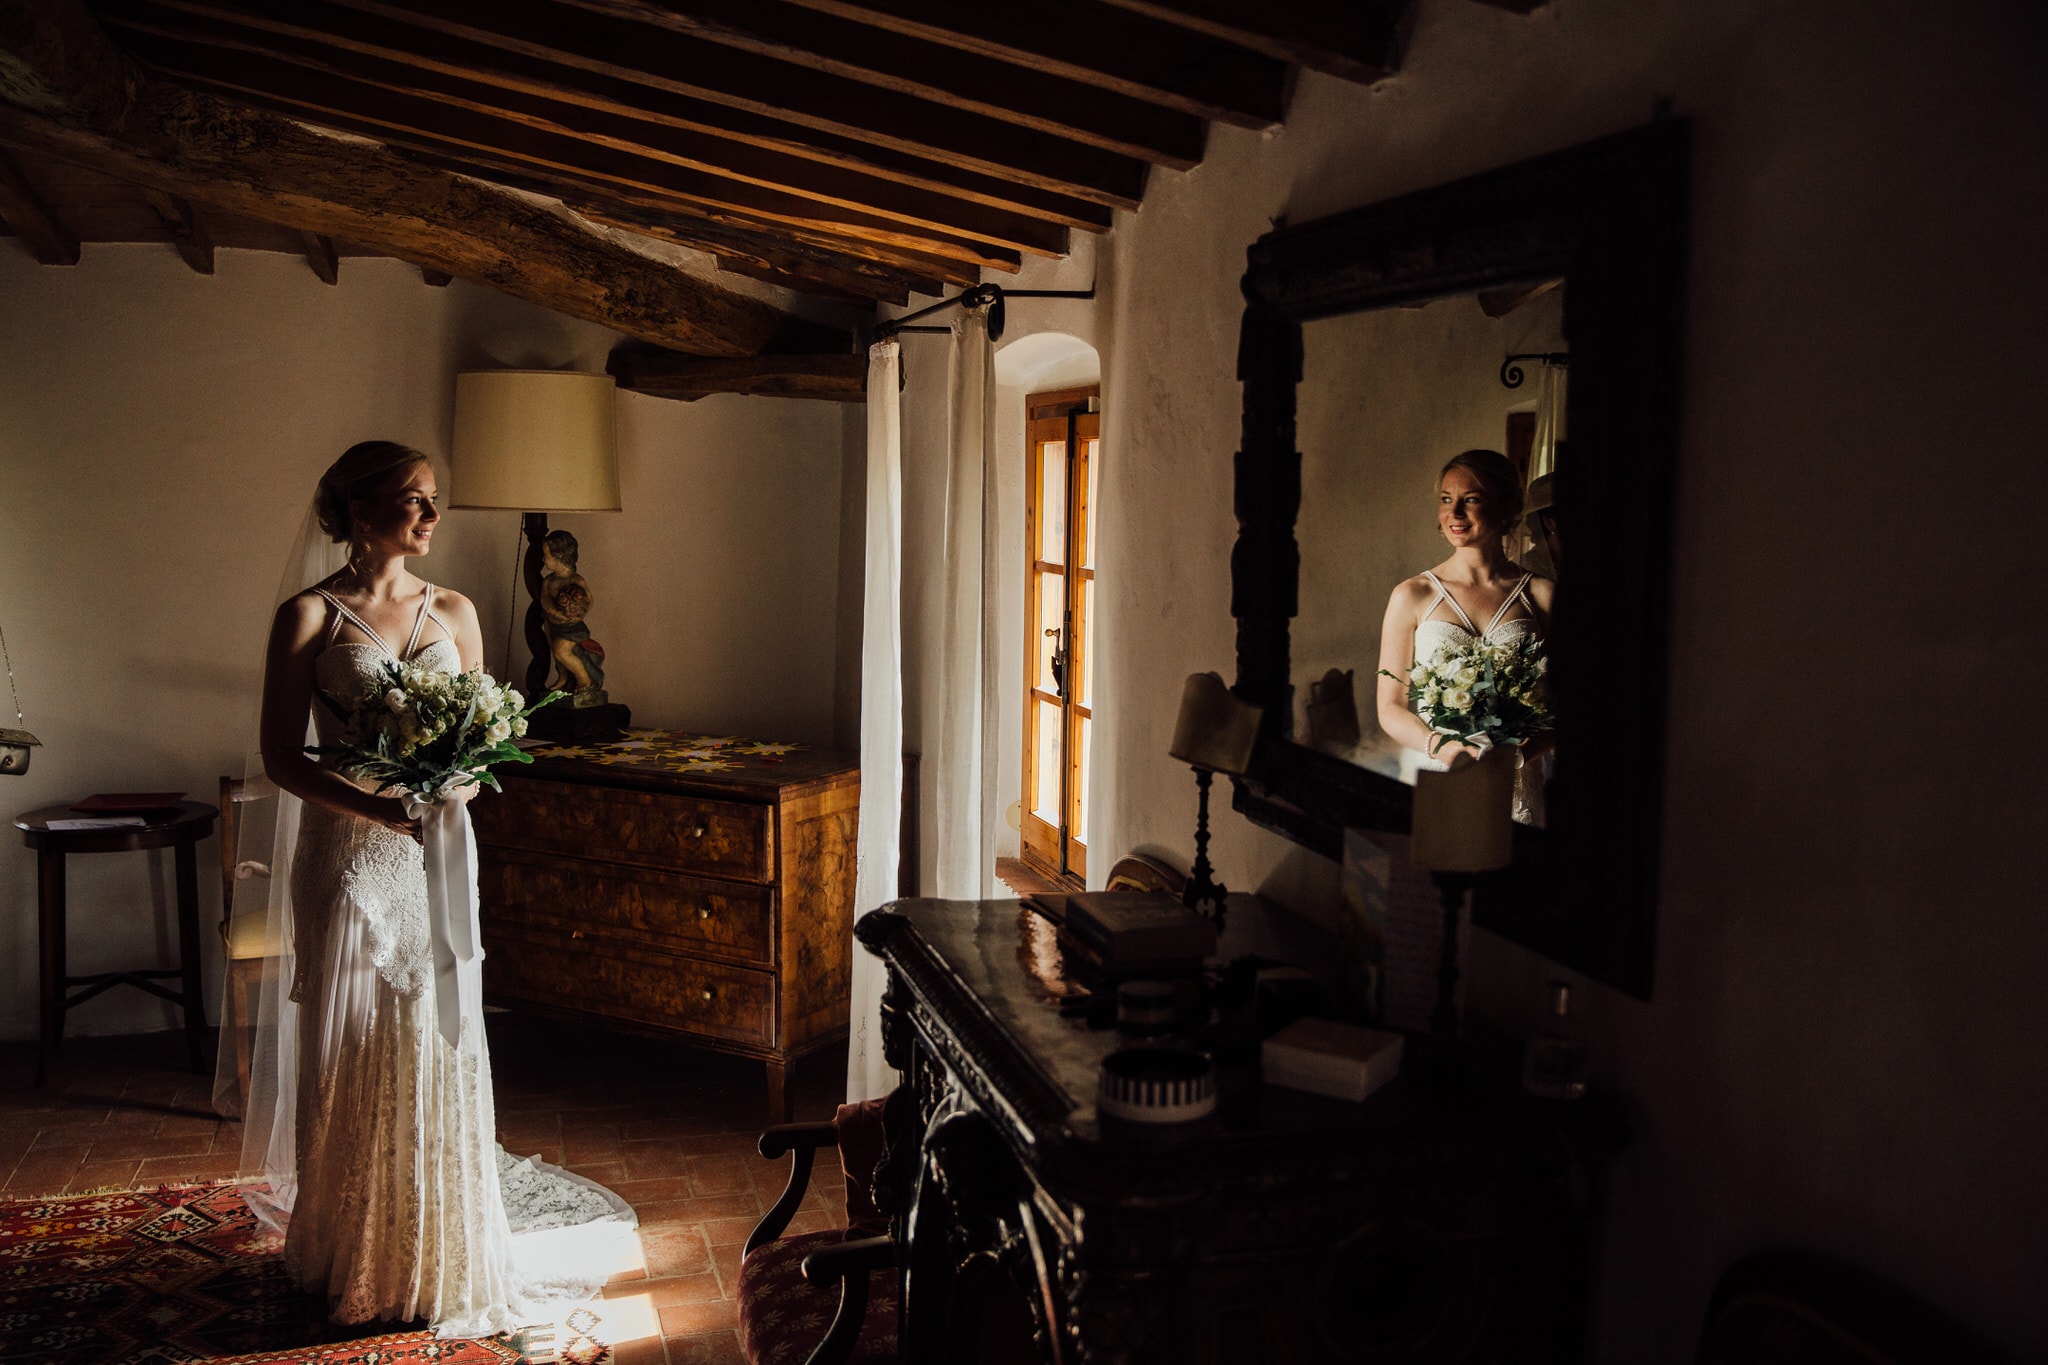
(378, 1137)
(1479, 501)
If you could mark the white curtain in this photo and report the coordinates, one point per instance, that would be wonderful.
(881, 713)
(962, 761)
(1549, 421)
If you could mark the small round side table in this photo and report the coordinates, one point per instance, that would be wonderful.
(180, 829)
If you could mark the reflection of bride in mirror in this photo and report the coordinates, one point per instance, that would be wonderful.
(1479, 504)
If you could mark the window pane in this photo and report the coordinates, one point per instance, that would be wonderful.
(1052, 502)
(1084, 684)
(1092, 449)
(1046, 803)
(1051, 608)
(1080, 824)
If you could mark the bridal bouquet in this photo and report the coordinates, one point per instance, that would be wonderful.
(1483, 694)
(425, 731)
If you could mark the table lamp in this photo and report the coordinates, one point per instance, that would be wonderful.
(541, 441)
(1215, 732)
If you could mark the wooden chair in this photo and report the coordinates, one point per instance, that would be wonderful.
(244, 928)
(1142, 872)
(785, 1287)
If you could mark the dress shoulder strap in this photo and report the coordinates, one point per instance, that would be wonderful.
(345, 614)
(1520, 592)
(419, 622)
(1443, 594)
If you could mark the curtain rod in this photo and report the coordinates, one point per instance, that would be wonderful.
(990, 294)
(1511, 372)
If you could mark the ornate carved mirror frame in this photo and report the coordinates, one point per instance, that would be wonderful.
(1609, 218)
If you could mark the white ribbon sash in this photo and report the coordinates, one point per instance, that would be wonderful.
(450, 846)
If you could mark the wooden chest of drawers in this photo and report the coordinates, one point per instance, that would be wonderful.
(636, 886)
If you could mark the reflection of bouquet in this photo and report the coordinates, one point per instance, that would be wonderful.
(1483, 694)
(426, 731)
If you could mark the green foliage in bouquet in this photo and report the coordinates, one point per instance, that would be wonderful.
(1482, 693)
(425, 728)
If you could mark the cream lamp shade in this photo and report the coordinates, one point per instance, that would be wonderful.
(535, 441)
(1216, 729)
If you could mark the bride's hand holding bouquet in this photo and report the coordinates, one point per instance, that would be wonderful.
(1476, 696)
(428, 735)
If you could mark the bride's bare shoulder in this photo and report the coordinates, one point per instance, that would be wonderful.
(1411, 594)
(453, 603)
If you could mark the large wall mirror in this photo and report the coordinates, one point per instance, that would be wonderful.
(1531, 312)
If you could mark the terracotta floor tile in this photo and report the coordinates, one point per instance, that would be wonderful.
(746, 1143)
(670, 1290)
(726, 1261)
(640, 1351)
(46, 1171)
(179, 1170)
(706, 1315)
(596, 1144)
(673, 1249)
(94, 1175)
(73, 1135)
(638, 1192)
(699, 1210)
(653, 1160)
(179, 1127)
(718, 1175)
(152, 1145)
(719, 1232)
(606, 1173)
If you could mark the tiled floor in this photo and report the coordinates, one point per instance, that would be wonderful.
(672, 1129)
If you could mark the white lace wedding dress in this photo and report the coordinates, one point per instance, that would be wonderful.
(406, 1207)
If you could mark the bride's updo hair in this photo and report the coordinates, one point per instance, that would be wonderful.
(1497, 479)
(360, 471)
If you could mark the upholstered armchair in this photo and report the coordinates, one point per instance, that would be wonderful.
(786, 1290)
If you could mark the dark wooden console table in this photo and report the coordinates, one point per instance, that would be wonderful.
(684, 886)
(180, 830)
(1450, 1226)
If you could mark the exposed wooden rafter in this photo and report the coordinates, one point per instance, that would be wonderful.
(1097, 44)
(75, 96)
(904, 217)
(946, 76)
(1360, 40)
(40, 230)
(675, 62)
(188, 230)
(840, 377)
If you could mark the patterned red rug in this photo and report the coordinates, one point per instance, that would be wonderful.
(186, 1274)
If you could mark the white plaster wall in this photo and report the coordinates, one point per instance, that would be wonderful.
(160, 436)
(1844, 1051)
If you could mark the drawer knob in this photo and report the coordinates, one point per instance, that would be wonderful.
(575, 933)
(703, 912)
(709, 993)
(697, 830)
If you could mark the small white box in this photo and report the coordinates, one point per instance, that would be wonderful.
(1345, 1061)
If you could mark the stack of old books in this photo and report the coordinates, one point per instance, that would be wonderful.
(1108, 935)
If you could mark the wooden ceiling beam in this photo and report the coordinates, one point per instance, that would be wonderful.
(839, 377)
(946, 76)
(188, 230)
(1087, 41)
(772, 186)
(656, 57)
(40, 230)
(76, 97)
(797, 252)
(428, 53)
(651, 184)
(1359, 40)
